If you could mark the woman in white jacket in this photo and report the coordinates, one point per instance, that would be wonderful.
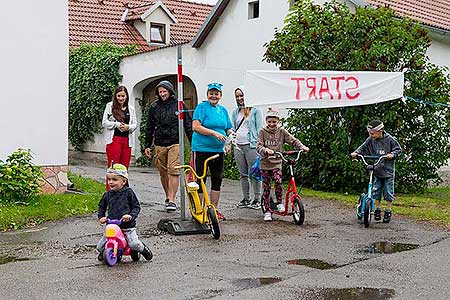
(119, 121)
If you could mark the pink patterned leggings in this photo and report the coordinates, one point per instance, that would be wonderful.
(276, 176)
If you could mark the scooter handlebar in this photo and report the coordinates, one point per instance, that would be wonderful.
(114, 221)
(374, 157)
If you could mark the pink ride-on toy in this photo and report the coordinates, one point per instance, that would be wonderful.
(116, 244)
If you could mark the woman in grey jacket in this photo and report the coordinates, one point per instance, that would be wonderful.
(246, 123)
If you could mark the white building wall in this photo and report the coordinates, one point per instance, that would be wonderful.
(439, 51)
(34, 80)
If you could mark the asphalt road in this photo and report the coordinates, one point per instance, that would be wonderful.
(329, 257)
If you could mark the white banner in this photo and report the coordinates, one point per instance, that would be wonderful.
(320, 89)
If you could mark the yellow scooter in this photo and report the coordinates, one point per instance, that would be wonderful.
(203, 211)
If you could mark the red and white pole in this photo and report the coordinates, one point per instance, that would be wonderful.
(181, 129)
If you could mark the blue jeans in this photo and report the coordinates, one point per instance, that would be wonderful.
(385, 186)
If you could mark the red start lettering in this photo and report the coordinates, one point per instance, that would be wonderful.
(333, 87)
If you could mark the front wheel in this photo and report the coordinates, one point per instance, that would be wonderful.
(299, 211)
(215, 230)
(367, 215)
(109, 257)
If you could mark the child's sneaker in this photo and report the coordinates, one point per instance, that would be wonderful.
(171, 206)
(100, 256)
(267, 216)
(255, 204)
(147, 253)
(377, 216)
(244, 203)
(387, 216)
(280, 208)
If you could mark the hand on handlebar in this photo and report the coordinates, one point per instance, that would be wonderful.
(270, 152)
(126, 218)
(102, 220)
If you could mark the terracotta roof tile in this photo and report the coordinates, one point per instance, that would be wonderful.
(434, 13)
(94, 21)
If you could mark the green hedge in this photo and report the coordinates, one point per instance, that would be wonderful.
(93, 77)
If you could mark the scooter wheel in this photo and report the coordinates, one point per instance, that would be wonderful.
(109, 257)
(299, 211)
(367, 216)
(215, 230)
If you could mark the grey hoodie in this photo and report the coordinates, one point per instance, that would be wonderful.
(385, 145)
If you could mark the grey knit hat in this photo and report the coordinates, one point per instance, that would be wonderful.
(167, 85)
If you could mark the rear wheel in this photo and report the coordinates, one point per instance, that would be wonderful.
(109, 257)
(367, 216)
(215, 230)
(299, 211)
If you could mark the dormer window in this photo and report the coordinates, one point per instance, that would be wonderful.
(157, 33)
(157, 20)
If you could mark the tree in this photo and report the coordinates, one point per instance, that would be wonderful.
(330, 37)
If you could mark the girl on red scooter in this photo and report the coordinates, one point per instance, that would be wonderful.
(271, 139)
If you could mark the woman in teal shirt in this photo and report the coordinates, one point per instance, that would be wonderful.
(211, 125)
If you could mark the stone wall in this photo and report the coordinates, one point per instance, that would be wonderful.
(56, 181)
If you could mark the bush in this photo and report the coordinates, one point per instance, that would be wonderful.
(330, 37)
(20, 180)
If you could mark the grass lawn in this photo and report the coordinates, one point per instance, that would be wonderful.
(434, 205)
(53, 207)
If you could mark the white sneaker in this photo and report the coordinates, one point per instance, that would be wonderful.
(268, 216)
(280, 208)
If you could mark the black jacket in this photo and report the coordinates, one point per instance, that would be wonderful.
(118, 204)
(162, 123)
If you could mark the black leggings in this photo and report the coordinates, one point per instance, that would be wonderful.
(215, 167)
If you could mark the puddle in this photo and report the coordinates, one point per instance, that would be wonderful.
(312, 263)
(350, 294)
(247, 283)
(388, 247)
(9, 259)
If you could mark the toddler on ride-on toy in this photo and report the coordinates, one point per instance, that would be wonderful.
(381, 143)
(270, 140)
(122, 204)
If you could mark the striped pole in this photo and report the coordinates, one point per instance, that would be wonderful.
(181, 130)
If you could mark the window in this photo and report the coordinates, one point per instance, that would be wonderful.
(253, 10)
(157, 33)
